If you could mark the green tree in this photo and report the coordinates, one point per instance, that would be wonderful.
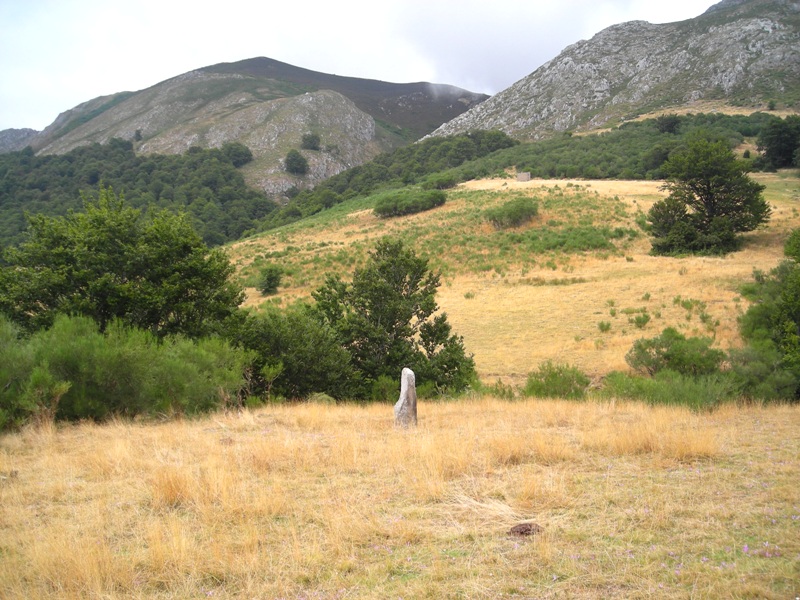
(387, 319)
(270, 279)
(711, 199)
(152, 271)
(295, 354)
(779, 142)
(238, 154)
(296, 163)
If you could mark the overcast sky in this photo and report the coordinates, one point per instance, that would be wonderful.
(56, 54)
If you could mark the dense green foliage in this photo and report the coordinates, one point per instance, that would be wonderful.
(513, 213)
(150, 270)
(674, 389)
(405, 166)
(310, 141)
(672, 351)
(771, 326)
(553, 380)
(204, 183)
(73, 371)
(779, 142)
(296, 354)
(386, 319)
(295, 163)
(711, 199)
(635, 150)
(407, 201)
(270, 279)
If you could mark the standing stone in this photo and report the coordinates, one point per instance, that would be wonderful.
(405, 411)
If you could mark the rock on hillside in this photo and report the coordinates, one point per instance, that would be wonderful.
(745, 52)
(268, 106)
(12, 140)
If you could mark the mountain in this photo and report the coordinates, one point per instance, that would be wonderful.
(12, 140)
(740, 52)
(267, 105)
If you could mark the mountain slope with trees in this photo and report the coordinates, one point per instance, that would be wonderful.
(268, 106)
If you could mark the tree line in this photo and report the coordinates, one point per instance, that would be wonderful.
(204, 183)
(118, 310)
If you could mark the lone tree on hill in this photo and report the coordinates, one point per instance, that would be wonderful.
(711, 199)
(386, 318)
(296, 163)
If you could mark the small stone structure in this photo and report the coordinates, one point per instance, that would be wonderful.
(405, 411)
(524, 176)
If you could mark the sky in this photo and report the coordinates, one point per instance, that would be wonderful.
(56, 54)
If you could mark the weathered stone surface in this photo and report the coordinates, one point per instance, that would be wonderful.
(405, 411)
(744, 52)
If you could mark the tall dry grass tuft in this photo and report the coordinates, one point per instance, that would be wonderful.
(669, 432)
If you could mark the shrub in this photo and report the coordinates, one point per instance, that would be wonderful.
(513, 213)
(671, 388)
(553, 380)
(270, 280)
(440, 181)
(310, 141)
(311, 358)
(671, 350)
(408, 201)
(72, 371)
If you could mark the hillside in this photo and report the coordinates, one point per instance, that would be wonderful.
(739, 52)
(524, 296)
(268, 106)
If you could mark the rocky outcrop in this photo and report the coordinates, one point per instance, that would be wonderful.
(12, 140)
(745, 52)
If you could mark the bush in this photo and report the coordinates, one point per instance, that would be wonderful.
(671, 350)
(310, 141)
(270, 280)
(761, 374)
(72, 371)
(512, 214)
(671, 388)
(408, 201)
(552, 380)
(311, 357)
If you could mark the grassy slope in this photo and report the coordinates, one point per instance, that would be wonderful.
(517, 306)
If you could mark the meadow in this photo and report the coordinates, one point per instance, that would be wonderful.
(320, 501)
(316, 500)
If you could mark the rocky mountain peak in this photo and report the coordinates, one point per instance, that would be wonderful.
(744, 52)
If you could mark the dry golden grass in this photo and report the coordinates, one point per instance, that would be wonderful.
(315, 501)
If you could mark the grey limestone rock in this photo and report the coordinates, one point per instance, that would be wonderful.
(405, 411)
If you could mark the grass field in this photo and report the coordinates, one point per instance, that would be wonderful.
(321, 501)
